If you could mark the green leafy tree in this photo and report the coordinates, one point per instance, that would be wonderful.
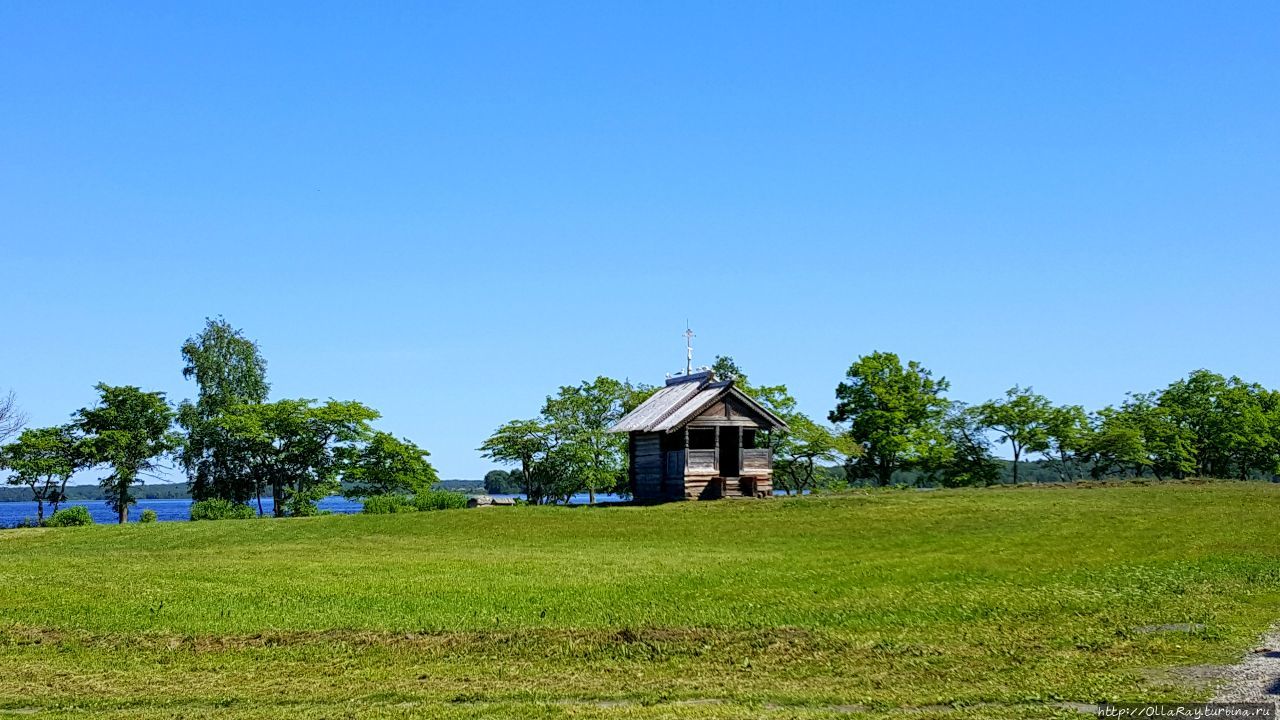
(128, 431)
(1021, 419)
(524, 443)
(558, 476)
(803, 451)
(1210, 425)
(1265, 455)
(1229, 423)
(580, 416)
(297, 448)
(893, 412)
(501, 482)
(1169, 445)
(1139, 436)
(634, 394)
(1067, 431)
(43, 460)
(229, 371)
(567, 449)
(1192, 405)
(387, 465)
(960, 454)
(1249, 438)
(726, 368)
(1117, 444)
(797, 453)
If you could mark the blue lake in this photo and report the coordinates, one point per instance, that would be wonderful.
(12, 513)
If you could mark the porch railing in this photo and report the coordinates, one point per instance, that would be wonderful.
(702, 460)
(756, 459)
(753, 459)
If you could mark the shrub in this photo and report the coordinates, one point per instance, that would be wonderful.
(219, 509)
(148, 516)
(388, 504)
(73, 516)
(424, 501)
(440, 500)
(303, 506)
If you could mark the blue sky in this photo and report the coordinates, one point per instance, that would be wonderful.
(446, 210)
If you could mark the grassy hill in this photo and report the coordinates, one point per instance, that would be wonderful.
(966, 603)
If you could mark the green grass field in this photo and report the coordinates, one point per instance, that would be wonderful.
(955, 604)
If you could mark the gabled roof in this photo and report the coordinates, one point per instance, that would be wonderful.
(657, 407)
(685, 398)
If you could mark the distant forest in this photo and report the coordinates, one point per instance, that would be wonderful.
(83, 493)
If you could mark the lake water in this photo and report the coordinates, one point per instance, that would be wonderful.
(12, 513)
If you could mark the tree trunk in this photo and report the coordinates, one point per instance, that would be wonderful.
(528, 480)
(62, 494)
(591, 495)
(39, 511)
(124, 510)
(1017, 452)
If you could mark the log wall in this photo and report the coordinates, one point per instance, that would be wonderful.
(646, 458)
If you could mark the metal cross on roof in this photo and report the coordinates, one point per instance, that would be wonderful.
(688, 347)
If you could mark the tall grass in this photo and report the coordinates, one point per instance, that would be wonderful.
(388, 504)
(440, 500)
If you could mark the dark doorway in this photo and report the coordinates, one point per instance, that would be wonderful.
(730, 452)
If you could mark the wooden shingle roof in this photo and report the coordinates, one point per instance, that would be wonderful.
(682, 400)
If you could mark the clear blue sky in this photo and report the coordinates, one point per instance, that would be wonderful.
(446, 210)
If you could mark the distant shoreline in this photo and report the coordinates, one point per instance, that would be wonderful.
(178, 491)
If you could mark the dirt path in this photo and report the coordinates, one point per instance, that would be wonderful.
(1257, 678)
